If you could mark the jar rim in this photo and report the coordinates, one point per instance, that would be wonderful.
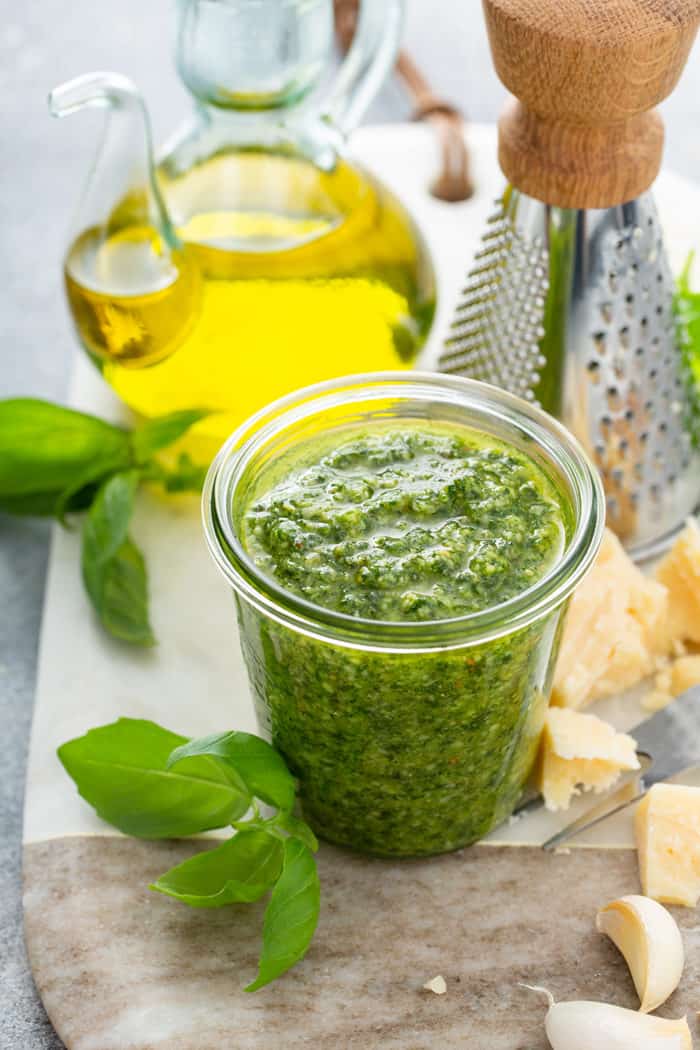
(499, 407)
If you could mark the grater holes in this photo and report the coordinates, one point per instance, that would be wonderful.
(613, 399)
(594, 372)
(624, 337)
(600, 343)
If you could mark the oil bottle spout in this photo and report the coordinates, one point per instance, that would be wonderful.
(105, 90)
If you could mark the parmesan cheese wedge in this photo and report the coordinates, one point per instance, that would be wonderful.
(679, 572)
(667, 829)
(580, 752)
(615, 630)
(673, 680)
(685, 672)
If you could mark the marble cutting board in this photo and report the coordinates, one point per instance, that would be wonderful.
(120, 968)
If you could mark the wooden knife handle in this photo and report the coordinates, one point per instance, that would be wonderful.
(586, 74)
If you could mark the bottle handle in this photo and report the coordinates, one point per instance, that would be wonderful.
(125, 158)
(371, 56)
(126, 145)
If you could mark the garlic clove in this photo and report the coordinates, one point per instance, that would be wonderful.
(649, 939)
(602, 1026)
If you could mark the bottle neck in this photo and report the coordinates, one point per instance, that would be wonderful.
(254, 56)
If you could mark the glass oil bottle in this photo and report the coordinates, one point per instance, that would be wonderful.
(254, 258)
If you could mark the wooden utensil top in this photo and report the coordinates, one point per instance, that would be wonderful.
(586, 74)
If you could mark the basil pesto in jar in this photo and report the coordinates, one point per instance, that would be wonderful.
(402, 548)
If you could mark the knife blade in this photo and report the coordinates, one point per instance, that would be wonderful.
(671, 741)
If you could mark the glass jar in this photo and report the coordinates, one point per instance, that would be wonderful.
(407, 738)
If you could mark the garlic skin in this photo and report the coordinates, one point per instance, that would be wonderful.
(602, 1026)
(648, 937)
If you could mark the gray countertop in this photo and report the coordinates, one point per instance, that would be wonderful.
(42, 167)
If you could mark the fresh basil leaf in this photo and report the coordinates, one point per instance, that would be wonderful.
(158, 433)
(121, 770)
(80, 494)
(31, 504)
(687, 314)
(186, 476)
(297, 828)
(123, 608)
(241, 870)
(291, 916)
(45, 447)
(262, 769)
(107, 525)
(113, 567)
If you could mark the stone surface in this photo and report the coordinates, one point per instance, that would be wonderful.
(121, 968)
(42, 166)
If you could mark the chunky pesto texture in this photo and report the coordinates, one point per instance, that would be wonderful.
(399, 753)
(412, 525)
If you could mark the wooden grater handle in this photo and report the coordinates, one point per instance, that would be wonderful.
(582, 131)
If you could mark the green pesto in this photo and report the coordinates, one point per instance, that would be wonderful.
(404, 753)
(411, 525)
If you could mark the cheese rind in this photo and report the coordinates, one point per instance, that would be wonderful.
(667, 829)
(580, 752)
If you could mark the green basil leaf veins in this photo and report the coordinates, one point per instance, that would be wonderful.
(45, 448)
(121, 770)
(156, 434)
(114, 571)
(240, 870)
(291, 916)
(256, 762)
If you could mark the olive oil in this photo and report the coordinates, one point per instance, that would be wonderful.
(287, 275)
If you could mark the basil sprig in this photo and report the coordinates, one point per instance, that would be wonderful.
(55, 461)
(686, 305)
(151, 783)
